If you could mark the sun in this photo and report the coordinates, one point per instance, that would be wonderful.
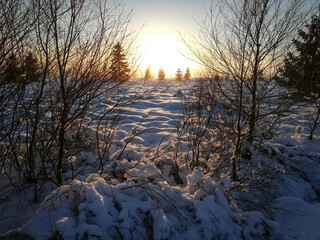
(163, 50)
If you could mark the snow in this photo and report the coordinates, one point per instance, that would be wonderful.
(136, 196)
(96, 209)
(299, 219)
(195, 177)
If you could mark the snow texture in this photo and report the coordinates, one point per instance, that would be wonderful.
(135, 196)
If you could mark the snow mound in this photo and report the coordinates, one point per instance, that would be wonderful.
(299, 219)
(95, 209)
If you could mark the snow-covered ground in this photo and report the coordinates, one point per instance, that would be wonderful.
(141, 200)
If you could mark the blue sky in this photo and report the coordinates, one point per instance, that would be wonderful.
(174, 14)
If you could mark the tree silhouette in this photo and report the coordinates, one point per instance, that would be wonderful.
(302, 70)
(30, 68)
(246, 40)
(161, 74)
(12, 72)
(119, 69)
(179, 75)
(147, 74)
(187, 75)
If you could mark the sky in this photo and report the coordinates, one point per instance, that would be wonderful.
(159, 41)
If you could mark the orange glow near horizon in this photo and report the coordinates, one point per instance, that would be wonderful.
(163, 49)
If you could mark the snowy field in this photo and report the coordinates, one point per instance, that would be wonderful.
(137, 197)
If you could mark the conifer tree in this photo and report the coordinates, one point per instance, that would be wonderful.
(179, 75)
(30, 68)
(187, 75)
(147, 74)
(12, 71)
(119, 69)
(161, 74)
(302, 69)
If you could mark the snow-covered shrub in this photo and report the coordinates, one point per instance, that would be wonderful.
(96, 209)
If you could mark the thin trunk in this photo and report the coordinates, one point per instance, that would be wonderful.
(238, 145)
(238, 141)
(35, 127)
(315, 124)
(32, 145)
(61, 62)
(252, 121)
(63, 121)
(234, 169)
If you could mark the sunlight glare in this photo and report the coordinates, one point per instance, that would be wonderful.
(163, 50)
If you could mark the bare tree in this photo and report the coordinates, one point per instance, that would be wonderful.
(43, 122)
(245, 42)
(80, 37)
(15, 26)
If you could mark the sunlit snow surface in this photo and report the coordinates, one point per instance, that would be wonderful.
(146, 206)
